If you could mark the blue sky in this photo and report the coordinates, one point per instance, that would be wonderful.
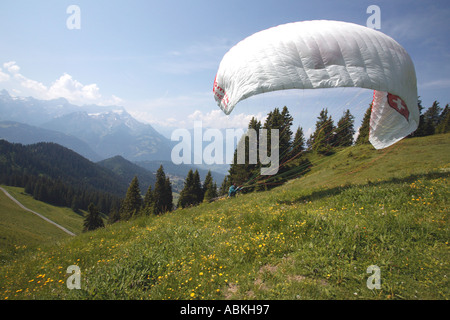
(158, 59)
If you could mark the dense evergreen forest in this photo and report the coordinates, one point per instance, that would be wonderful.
(59, 176)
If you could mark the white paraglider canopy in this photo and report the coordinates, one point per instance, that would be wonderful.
(325, 54)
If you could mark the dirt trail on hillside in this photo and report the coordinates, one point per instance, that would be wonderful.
(38, 214)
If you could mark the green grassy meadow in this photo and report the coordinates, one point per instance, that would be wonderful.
(63, 216)
(312, 238)
(21, 229)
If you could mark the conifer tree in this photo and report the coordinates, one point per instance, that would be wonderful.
(168, 196)
(192, 193)
(240, 173)
(209, 188)
(197, 188)
(345, 130)
(133, 200)
(431, 119)
(256, 126)
(444, 121)
(162, 196)
(323, 138)
(226, 183)
(93, 220)
(249, 171)
(281, 121)
(207, 182)
(285, 132)
(187, 194)
(274, 120)
(298, 144)
(363, 135)
(212, 192)
(148, 199)
(148, 205)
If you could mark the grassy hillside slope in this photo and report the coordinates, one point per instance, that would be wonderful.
(61, 215)
(21, 229)
(312, 238)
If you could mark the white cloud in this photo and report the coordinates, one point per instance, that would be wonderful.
(73, 90)
(39, 89)
(4, 76)
(63, 87)
(11, 66)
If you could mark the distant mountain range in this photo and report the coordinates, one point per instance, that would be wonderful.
(109, 130)
(107, 135)
(114, 133)
(33, 111)
(26, 134)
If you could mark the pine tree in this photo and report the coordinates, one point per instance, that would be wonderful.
(93, 220)
(192, 193)
(209, 188)
(323, 137)
(168, 196)
(249, 172)
(162, 196)
(283, 122)
(148, 205)
(444, 121)
(226, 183)
(186, 198)
(286, 132)
(240, 173)
(212, 192)
(428, 121)
(148, 199)
(133, 200)
(363, 135)
(197, 189)
(274, 120)
(345, 130)
(256, 126)
(431, 119)
(298, 144)
(207, 182)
